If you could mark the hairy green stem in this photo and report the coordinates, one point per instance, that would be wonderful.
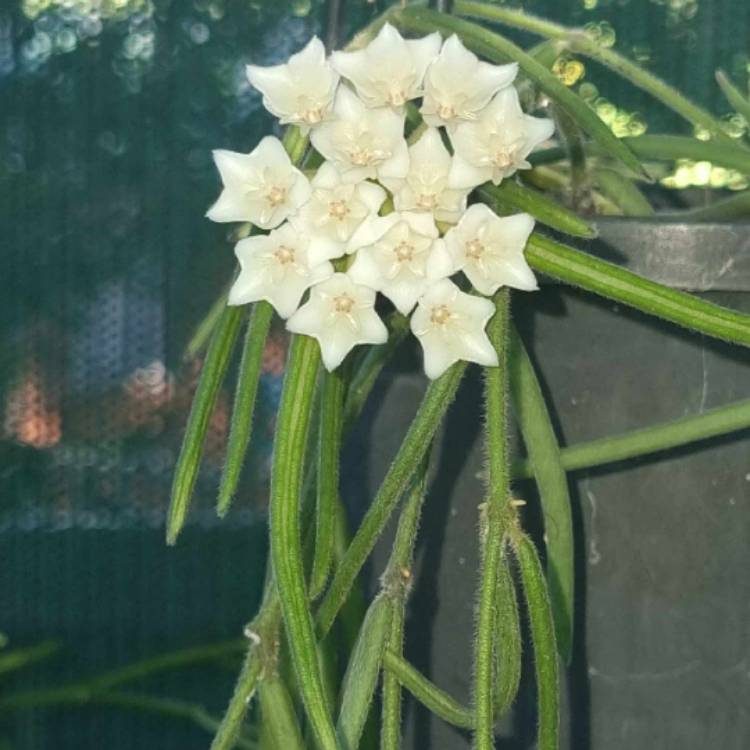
(18, 658)
(396, 582)
(435, 403)
(280, 726)
(497, 513)
(292, 427)
(719, 421)
(516, 196)
(543, 640)
(212, 376)
(734, 96)
(508, 650)
(544, 454)
(332, 393)
(244, 402)
(429, 695)
(603, 278)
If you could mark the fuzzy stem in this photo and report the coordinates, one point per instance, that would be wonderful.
(435, 403)
(329, 447)
(293, 423)
(396, 582)
(497, 515)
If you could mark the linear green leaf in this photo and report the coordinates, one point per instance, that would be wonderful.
(212, 375)
(544, 455)
(719, 421)
(580, 269)
(623, 192)
(496, 515)
(543, 640)
(739, 101)
(660, 147)
(395, 584)
(728, 209)
(543, 209)
(499, 49)
(204, 328)
(244, 402)
(434, 404)
(362, 673)
(508, 649)
(579, 41)
(437, 701)
(280, 725)
(18, 658)
(329, 447)
(292, 428)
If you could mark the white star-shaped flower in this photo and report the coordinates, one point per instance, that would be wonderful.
(489, 249)
(301, 91)
(458, 86)
(404, 261)
(450, 327)
(276, 268)
(362, 142)
(497, 143)
(425, 187)
(262, 187)
(340, 217)
(389, 71)
(339, 314)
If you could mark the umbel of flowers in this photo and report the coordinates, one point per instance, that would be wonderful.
(394, 214)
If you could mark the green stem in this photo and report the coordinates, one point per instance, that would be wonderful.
(205, 328)
(544, 454)
(543, 639)
(598, 276)
(19, 658)
(509, 647)
(204, 401)
(362, 382)
(435, 403)
(329, 447)
(244, 402)
(496, 517)
(622, 191)
(437, 701)
(582, 43)
(280, 725)
(738, 100)
(728, 209)
(396, 582)
(293, 423)
(719, 421)
(88, 688)
(542, 208)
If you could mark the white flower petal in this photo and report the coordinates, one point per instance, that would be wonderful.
(450, 326)
(372, 195)
(466, 176)
(300, 91)
(371, 231)
(340, 314)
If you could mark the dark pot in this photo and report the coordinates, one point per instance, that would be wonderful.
(662, 651)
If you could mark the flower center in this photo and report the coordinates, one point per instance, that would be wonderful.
(446, 111)
(427, 201)
(276, 196)
(474, 249)
(312, 116)
(284, 255)
(440, 315)
(396, 97)
(404, 251)
(343, 303)
(338, 210)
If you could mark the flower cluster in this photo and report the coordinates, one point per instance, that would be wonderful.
(399, 210)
